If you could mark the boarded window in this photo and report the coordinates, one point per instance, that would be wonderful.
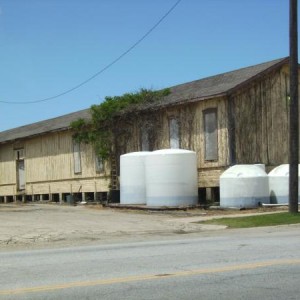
(174, 133)
(20, 164)
(21, 174)
(210, 119)
(77, 158)
(99, 164)
(145, 144)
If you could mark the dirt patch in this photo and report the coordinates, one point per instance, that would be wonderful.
(49, 225)
(192, 212)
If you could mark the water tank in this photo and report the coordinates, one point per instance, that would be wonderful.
(171, 178)
(262, 166)
(279, 184)
(132, 178)
(244, 186)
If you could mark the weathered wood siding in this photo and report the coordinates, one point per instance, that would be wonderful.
(7, 170)
(261, 121)
(88, 185)
(192, 136)
(52, 156)
(49, 167)
(252, 127)
(7, 165)
(190, 117)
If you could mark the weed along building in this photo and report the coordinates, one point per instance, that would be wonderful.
(41, 162)
(239, 117)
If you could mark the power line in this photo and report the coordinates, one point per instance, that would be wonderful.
(104, 68)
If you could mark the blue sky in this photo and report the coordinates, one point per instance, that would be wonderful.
(50, 46)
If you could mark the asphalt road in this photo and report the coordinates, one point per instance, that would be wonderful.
(259, 263)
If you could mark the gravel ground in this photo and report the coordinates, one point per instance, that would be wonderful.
(29, 226)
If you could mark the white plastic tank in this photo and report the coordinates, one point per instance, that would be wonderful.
(262, 166)
(132, 178)
(279, 184)
(244, 186)
(171, 178)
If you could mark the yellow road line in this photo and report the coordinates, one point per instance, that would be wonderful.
(230, 268)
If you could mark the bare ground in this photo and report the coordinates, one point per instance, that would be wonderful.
(29, 226)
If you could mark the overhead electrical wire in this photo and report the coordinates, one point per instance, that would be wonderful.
(103, 69)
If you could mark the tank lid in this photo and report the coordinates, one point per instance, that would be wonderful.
(172, 151)
(282, 170)
(141, 153)
(244, 171)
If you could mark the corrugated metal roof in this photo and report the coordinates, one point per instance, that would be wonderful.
(196, 90)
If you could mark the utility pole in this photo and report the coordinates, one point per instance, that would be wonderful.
(294, 116)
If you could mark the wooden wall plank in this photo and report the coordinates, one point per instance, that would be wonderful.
(7, 165)
(261, 136)
(262, 121)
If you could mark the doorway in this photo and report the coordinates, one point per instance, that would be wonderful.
(20, 167)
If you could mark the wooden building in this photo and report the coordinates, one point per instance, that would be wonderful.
(239, 117)
(40, 161)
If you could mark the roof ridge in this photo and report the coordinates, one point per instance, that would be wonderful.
(197, 90)
(275, 61)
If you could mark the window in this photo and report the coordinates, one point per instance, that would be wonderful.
(77, 158)
(99, 164)
(210, 119)
(20, 167)
(174, 133)
(145, 144)
(21, 175)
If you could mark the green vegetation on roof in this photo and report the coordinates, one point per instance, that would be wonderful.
(102, 129)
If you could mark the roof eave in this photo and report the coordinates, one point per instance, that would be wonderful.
(34, 135)
(197, 99)
(257, 76)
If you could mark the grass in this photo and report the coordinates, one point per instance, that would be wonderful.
(284, 218)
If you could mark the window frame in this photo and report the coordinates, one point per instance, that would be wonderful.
(99, 164)
(172, 130)
(145, 138)
(210, 140)
(77, 158)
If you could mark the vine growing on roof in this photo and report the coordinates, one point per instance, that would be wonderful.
(104, 128)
